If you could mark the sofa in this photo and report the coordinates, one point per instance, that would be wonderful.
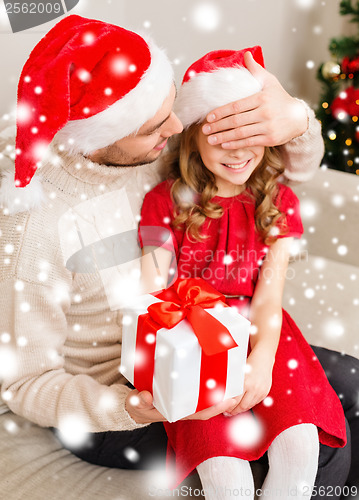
(322, 288)
(322, 295)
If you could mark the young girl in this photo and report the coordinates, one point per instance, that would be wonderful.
(232, 224)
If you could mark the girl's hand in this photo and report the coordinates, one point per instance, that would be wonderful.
(270, 117)
(226, 406)
(257, 384)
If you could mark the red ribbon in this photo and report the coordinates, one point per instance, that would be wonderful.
(188, 298)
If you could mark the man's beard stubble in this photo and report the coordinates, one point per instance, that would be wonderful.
(115, 157)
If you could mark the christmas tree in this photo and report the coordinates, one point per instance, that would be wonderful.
(338, 109)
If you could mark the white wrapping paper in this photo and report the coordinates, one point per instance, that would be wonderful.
(176, 377)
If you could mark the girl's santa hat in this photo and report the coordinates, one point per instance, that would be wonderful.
(89, 82)
(218, 78)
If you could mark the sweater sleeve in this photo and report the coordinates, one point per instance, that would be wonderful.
(303, 154)
(34, 329)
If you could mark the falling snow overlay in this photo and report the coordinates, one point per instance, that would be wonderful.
(322, 289)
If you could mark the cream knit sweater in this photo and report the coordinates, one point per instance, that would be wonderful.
(60, 339)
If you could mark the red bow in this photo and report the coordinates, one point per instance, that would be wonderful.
(188, 298)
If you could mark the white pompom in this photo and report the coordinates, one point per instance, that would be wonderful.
(14, 199)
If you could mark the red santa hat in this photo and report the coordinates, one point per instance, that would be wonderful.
(91, 83)
(216, 79)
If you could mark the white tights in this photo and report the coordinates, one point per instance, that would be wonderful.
(293, 463)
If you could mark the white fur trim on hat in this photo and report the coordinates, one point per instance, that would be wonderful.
(207, 91)
(126, 115)
(14, 200)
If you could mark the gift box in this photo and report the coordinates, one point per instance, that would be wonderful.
(186, 347)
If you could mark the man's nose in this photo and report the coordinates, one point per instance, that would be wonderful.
(173, 126)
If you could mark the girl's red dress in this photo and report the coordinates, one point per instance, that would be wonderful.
(230, 259)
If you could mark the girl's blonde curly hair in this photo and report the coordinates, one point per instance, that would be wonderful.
(194, 187)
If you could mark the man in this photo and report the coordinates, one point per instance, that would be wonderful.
(103, 97)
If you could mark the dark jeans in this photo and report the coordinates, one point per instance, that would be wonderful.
(145, 448)
(343, 374)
